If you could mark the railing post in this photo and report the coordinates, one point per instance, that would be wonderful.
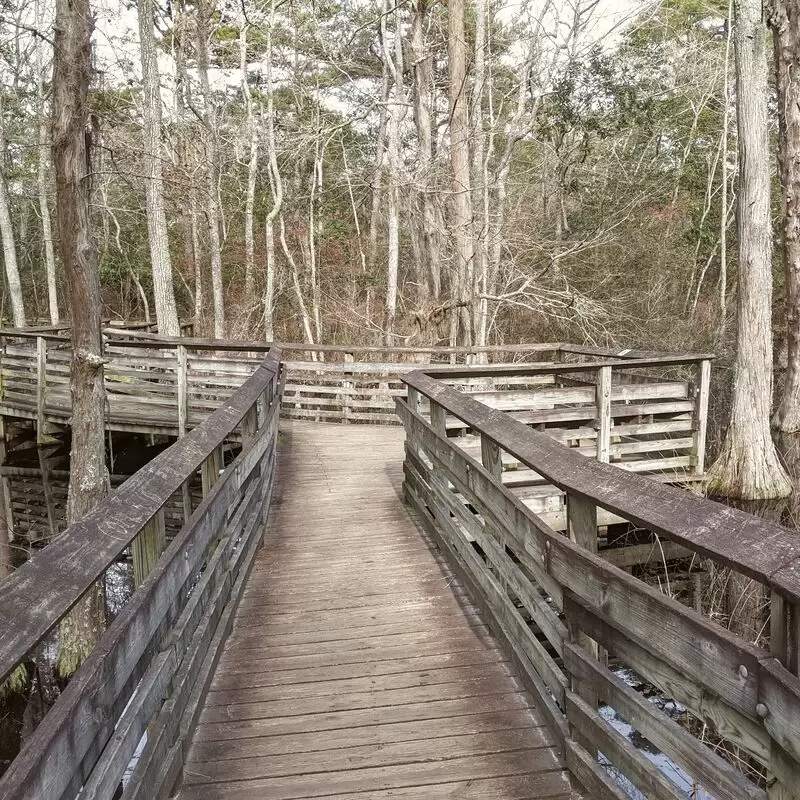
(700, 421)
(582, 529)
(414, 400)
(491, 458)
(41, 387)
(347, 389)
(210, 470)
(250, 425)
(603, 401)
(438, 418)
(148, 546)
(43, 440)
(183, 390)
(7, 523)
(784, 646)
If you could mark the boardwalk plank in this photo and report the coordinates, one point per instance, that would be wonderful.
(357, 668)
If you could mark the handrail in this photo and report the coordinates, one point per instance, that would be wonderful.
(151, 668)
(754, 546)
(496, 370)
(537, 586)
(130, 337)
(35, 597)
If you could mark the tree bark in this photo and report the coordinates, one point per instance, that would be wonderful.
(748, 466)
(479, 184)
(43, 166)
(252, 172)
(376, 182)
(397, 112)
(784, 19)
(158, 236)
(9, 243)
(431, 222)
(212, 171)
(461, 199)
(88, 477)
(276, 184)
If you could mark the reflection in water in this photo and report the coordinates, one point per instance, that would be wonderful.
(666, 765)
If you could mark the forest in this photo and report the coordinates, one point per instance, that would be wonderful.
(426, 173)
(622, 175)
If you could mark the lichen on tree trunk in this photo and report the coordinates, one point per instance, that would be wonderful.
(88, 481)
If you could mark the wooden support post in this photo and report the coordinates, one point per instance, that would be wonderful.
(438, 418)
(183, 421)
(603, 400)
(183, 390)
(186, 499)
(44, 452)
(347, 389)
(779, 627)
(250, 425)
(265, 402)
(700, 421)
(414, 400)
(147, 547)
(491, 458)
(582, 529)
(41, 388)
(210, 470)
(783, 644)
(6, 526)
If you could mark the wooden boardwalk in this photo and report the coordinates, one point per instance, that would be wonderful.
(357, 669)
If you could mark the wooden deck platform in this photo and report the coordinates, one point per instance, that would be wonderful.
(357, 668)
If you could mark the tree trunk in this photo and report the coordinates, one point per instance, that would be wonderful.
(42, 171)
(722, 284)
(748, 466)
(431, 223)
(397, 112)
(480, 188)
(88, 478)
(158, 237)
(212, 171)
(784, 19)
(461, 199)
(376, 182)
(188, 161)
(7, 236)
(276, 183)
(252, 173)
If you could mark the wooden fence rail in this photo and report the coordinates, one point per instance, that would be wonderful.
(153, 665)
(565, 613)
(168, 385)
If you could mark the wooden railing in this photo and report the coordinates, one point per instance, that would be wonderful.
(157, 384)
(152, 666)
(152, 385)
(590, 639)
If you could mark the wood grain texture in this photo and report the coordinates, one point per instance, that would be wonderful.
(356, 667)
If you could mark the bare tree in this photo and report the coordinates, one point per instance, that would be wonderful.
(251, 133)
(212, 169)
(430, 222)
(748, 466)
(88, 477)
(461, 199)
(158, 236)
(397, 111)
(275, 182)
(784, 19)
(42, 173)
(8, 239)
